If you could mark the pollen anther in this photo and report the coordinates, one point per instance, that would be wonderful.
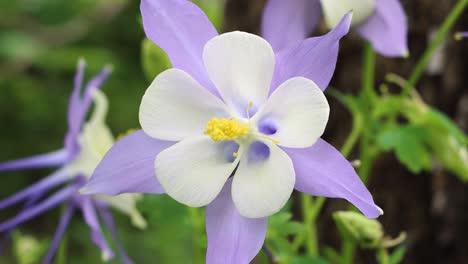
(225, 129)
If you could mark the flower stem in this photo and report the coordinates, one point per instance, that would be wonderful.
(62, 251)
(197, 233)
(368, 98)
(382, 256)
(309, 219)
(368, 78)
(435, 43)
(347, 251)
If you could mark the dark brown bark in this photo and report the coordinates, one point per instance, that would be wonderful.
(431, 207)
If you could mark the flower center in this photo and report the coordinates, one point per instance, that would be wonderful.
(226, 129)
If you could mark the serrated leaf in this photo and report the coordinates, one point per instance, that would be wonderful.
(281, 225)
(408, 142)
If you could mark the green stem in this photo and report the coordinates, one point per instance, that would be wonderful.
(368, 78)
(197, 222)
(309, 219)
(382, 256)
(62, 251)
(435, 43)
(353, 136)
(347, 251)
(368, 98)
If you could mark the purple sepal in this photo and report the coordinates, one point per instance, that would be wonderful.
(62, 227)
(39, 208)
(232, 238)
(42, 186)
(52, 159)
(109, 222)
(91, 219)
(128, 167)
(387, 29)
(79, 105)
(285, 23)
(314, 58)
(321, 170)
(181, 29)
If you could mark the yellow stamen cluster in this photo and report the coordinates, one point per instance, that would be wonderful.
(225, 129)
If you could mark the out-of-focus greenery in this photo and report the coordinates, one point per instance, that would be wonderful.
(40, 44)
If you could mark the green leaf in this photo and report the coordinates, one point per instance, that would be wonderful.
(281, 225)
(154, 59)
(397, 255)
(280, 228)
(408, 142)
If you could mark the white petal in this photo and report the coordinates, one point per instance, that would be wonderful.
(262, 183)
(194, 171)
(241, 66)
(334, 10)
(175, 106)
(299, 112)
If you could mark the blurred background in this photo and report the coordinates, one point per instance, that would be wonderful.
(41, 42)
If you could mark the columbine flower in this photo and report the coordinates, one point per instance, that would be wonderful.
(232, 107)
(382, 22)
(85, 145)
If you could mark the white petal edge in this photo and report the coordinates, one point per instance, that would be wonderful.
(127, 204)
(175, 106)
(334, 10)
(299, 110)
(241, 66)
(262, 188)
(194, 171)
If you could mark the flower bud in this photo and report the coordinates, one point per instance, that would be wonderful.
(334, 10)
(27, 249)
(368, 233)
